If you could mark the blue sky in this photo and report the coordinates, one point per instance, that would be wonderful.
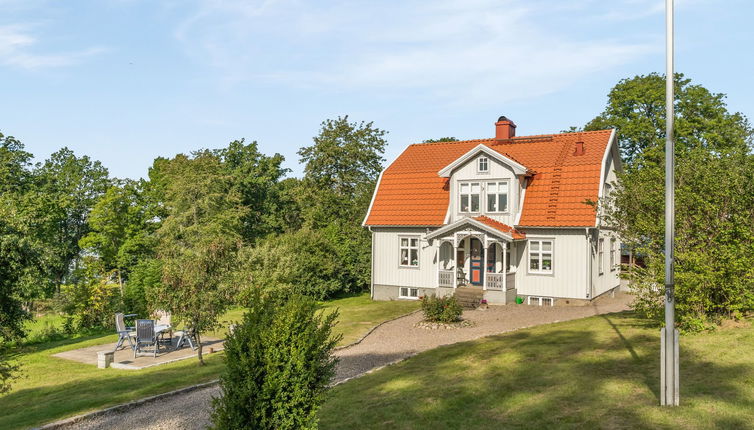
(125, 81)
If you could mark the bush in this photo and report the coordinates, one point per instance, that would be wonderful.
(441, 309)
(279, 363)
(303, 262)
(89, 304)
(146, 275)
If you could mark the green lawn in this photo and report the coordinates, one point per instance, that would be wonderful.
(51, 388)
(599, 372)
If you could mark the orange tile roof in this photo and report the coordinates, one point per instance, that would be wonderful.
(410, 191)
(497, 225)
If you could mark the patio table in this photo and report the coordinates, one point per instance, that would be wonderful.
(161, 329)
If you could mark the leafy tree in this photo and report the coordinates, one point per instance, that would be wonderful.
(256, 176)
(636, 107)
(714, 200)
(279, 363)
(302, 262)
(341, 169)
(19, 252)
(121, 228)
(198, 241)
(68, 187)
(442, 139)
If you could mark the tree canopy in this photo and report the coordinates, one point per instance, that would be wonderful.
(714, 263)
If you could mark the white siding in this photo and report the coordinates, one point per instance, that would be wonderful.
(387, 270)
(609, 278)
(569, 278)
(497, 171)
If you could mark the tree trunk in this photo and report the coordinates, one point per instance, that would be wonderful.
(199, 348)
(120, 282)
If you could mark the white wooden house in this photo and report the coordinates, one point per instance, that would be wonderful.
(507, 216)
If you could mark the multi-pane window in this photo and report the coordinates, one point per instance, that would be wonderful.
(601, 255)
(483, 165)
(410, 251)
(540, 256)
(409, 293)
(497, 197)
(612, 254)
(469, 196)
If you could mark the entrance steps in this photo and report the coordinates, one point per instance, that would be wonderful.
(469, 297)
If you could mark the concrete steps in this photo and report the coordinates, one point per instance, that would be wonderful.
(469, 297)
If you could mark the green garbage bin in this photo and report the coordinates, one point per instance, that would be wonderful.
(519, 300)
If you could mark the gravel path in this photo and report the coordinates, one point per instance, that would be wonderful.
(391, 342)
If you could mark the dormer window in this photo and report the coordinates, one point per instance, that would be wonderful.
(483, 165)
(497, 196)
(470, 194)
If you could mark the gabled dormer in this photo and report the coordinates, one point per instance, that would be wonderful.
(484, 181)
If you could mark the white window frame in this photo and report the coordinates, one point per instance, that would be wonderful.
(601, 255)
(497, 193)
(540, 252)
(612, 254)
(486, 165)
(461, 194)
(408, 295)
(409, 247)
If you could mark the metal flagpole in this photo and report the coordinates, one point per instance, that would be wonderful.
(669, 335)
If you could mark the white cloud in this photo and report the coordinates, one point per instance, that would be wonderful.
(16, 50)
(453, 51)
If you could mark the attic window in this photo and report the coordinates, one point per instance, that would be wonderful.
(483, 165)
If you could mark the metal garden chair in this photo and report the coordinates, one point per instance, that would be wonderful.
(124, 332)
(145, 337)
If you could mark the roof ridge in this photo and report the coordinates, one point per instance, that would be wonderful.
(531, 136)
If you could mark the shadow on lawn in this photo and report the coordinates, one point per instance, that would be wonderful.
(595, 375)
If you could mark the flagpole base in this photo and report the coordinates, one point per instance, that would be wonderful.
(669, 367)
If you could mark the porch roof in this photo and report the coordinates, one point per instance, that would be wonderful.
(482, 223)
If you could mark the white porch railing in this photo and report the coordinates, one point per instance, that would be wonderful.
(446, 278)
(495, 281)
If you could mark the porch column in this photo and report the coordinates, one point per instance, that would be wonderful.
(439, 261)
(454, 258)
(505, 265)
(485, 250)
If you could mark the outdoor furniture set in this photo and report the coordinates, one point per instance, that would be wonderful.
(148, 335)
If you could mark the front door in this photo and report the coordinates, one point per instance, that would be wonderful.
(476, 262)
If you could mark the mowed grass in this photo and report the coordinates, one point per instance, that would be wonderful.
(51, 388)
(598, 372)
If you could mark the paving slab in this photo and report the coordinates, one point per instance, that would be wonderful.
(124, 358)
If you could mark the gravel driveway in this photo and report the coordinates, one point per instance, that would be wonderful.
(389, 343)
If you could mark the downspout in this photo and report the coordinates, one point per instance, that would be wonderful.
(371, 286)
(590, 286)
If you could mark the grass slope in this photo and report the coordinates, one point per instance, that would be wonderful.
(51, 388)
(599, 372)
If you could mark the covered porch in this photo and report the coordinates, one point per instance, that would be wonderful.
(476, 253)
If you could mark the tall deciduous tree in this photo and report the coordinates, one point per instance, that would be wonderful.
(341, 168)
(121, 226)
(68, 187)
(714, 246)
(198, 241)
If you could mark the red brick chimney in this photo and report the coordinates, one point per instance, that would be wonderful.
(580, 150)
(504, 128)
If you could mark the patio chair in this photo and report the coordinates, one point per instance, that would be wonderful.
(145, 337)
(124, 332)
(186, 335)
(164, 318)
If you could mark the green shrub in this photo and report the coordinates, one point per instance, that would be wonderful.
(89, 304)
(303, 262)
(441, 309)
(279, 363)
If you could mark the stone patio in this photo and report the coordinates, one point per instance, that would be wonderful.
(124, 358)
